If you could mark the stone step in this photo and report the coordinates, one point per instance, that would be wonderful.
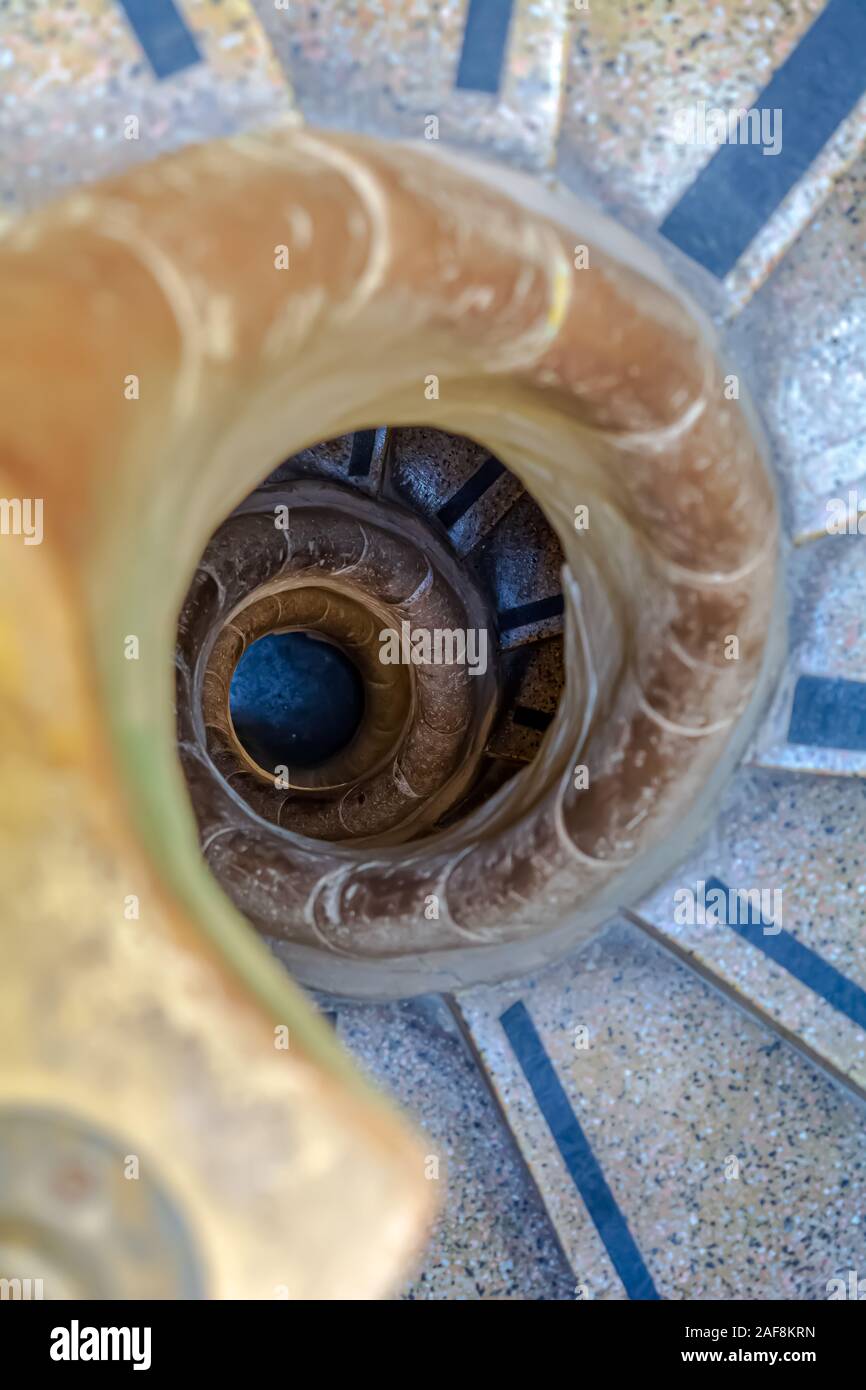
(486, 75)
(682, 1149)
(638, 131)
(816, 722)
(118, 82)
(803, 337)
(457, 484)
(493, 1238)
(789, 938)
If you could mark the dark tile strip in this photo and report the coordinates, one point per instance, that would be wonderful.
(737, 191)
(529, 718)
(577, 1155)
(829, 713)
(801, 961)
(485, 39)
(361, 457)
(536, 612)
(466, 496)
(163, 34)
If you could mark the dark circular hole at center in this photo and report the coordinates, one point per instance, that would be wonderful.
(295, 700)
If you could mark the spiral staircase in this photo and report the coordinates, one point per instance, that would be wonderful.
(675, 1110)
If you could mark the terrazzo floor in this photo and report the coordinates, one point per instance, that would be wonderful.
(738, 1166)
(493, 1239)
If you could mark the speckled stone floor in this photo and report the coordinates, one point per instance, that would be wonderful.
(802, 840)
(737, 1166)
(493, 1238)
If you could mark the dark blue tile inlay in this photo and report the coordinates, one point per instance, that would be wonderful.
(485, 39)
(577, 1155)
(735, 193)
(829, 713)
(466, 496)
(800, 961)
(163, 34)
(538, 611)
(529, 718)
(361, 458)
